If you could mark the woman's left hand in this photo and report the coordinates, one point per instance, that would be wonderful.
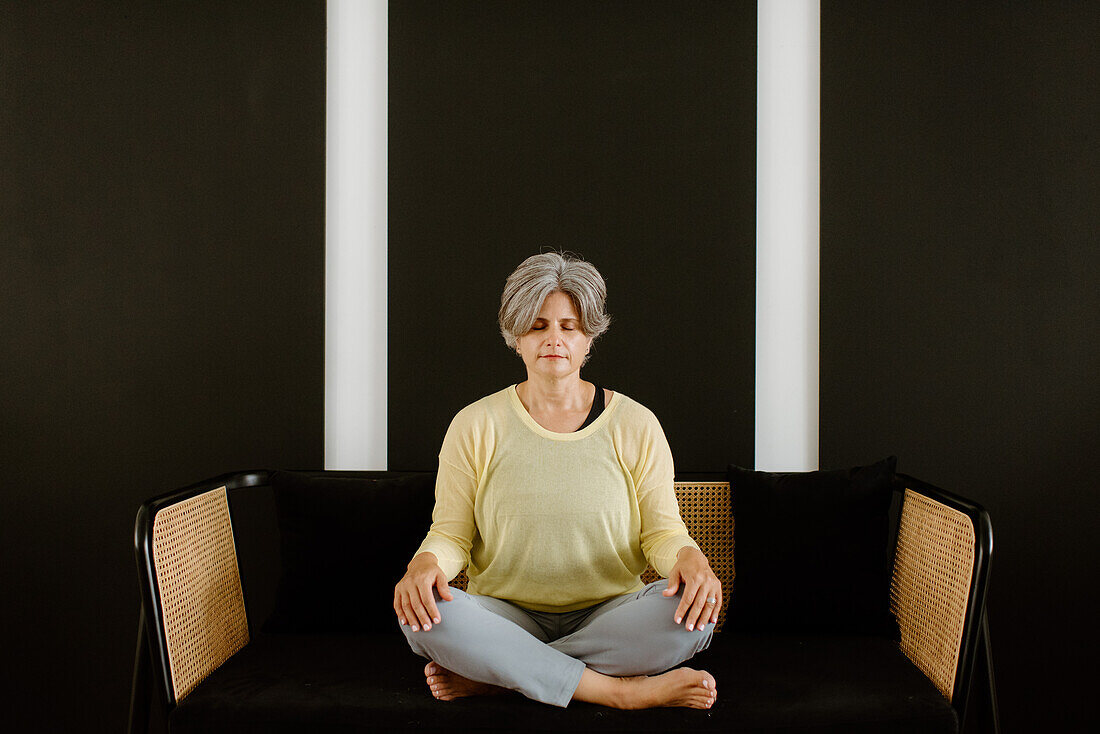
(702, 596)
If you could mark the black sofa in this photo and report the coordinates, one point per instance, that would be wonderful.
(267, 606)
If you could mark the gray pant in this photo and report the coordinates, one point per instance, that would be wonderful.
(542, 655)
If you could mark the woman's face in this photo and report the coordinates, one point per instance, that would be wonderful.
(555, 346)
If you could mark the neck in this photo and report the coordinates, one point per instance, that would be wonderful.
(565, 394)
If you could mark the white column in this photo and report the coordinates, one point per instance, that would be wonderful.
(787, 256)
(355, 240)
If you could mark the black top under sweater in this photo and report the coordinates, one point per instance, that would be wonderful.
(597, 407)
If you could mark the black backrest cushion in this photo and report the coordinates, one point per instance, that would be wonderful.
(345, 542)
(811, 550)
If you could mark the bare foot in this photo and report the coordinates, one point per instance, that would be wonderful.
(447, 685)
(694, 689)
(681, 687)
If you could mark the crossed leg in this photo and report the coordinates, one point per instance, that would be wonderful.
(486, 646)
(680, 687)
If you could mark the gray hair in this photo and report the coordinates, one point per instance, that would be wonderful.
(540, 275)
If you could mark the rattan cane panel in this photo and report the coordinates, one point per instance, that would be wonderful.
(705, 507)
(930, 589)
(200, 587)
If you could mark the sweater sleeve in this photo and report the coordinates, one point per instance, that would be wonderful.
(452, 532)
(663, 530)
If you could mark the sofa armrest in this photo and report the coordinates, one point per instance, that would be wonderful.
(192, 597)
(937, 593)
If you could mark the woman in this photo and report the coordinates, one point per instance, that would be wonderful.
(556, 493)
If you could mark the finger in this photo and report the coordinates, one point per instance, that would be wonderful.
(444, 588)
(673, 584)
(397, 608)
(718, 606)
(690, 589)
(420, 614)
(694, 615)
(409, 614)
(427, 595)
(711, 601)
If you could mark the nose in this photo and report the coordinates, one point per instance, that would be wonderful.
(553, 335)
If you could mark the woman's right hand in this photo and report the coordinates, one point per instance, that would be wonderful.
(413, 597)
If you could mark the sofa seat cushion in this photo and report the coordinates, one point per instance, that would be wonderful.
(303, 683)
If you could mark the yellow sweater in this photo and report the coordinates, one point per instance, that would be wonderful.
(554, 522)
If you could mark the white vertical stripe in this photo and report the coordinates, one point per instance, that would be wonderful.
(787, 255)
(355, 240)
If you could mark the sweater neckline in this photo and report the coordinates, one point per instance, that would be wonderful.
(596, 425)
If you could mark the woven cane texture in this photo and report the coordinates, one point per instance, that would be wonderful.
(705, 508)
(200, 587)
(931, 585)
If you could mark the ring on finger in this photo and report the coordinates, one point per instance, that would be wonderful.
(711, 600)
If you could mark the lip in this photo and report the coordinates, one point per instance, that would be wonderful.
(553, 356)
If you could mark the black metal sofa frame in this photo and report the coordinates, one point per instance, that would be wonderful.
(200, 656)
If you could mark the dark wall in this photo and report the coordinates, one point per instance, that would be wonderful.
(622, 132)
(960, 311)
(162, 261)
